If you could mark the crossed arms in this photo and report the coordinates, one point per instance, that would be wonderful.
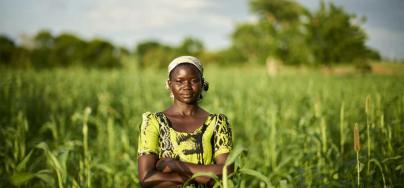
(166, 172)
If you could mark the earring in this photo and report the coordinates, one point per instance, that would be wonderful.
(171, 95)
(167, 85)
(168, 88)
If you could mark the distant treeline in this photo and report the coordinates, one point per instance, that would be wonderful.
(65, 50)
(285, 31)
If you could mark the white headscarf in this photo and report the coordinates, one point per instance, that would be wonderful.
(185, 59)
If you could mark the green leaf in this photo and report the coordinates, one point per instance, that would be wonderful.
(256, 174)
(234, 154)
(55, 162)
(20, 178)
(392, 158)
(399, 167)
(57, 167)
(104, 168)
(23, 164)
(46, 176)
(285, 161)
(361, 166)
(217, 184)
(43, 146)
(230, 183)
(283, 184)
(375, 161)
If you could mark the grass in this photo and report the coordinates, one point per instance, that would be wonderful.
(77, 128)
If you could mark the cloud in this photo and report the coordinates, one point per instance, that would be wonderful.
(128, 22)
(142, 15)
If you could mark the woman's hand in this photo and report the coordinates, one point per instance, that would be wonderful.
(186, 170)
(167, 165)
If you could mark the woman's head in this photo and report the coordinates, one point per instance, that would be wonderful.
(185, 59)
(185, 79)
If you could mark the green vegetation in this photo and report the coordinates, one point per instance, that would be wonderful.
(66, 50)
(79, 128)
(289, 32)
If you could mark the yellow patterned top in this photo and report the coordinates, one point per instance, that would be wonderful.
(211, 139)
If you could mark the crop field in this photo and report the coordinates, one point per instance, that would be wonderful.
(79, 128)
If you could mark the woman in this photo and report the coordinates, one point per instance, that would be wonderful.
(184, 138)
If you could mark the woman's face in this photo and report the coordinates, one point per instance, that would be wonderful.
(186, 83)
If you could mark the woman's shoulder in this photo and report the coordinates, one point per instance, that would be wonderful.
(218, 115)
(218, 118)
(150, 115)
(152, 118)
(220, 122)
(159, 116)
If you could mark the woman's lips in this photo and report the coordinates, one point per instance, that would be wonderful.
(186, 95)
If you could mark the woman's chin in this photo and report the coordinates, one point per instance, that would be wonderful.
(188, 100)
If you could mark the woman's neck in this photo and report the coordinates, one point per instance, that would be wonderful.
(184, 109)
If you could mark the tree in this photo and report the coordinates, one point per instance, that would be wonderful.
(7, 48)
(67, 50)
(42, 52)
(190, 46)
(44, 39)
(253, 41)
(277, 33)
(228, 56)
(292, 47)
(279, 11)
(12, 55)
(334, 37)
(101, 54)
(48, 51)
(153, 54)
(287, 31)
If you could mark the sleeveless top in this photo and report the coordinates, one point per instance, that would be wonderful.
(212, 138)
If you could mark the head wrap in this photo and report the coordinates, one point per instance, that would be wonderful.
(185, 59)
(191, 60)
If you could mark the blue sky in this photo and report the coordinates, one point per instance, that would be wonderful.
(127, 22)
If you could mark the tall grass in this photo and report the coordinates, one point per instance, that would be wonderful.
(296, 131)
(357, 148)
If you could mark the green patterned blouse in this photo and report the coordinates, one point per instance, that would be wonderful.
(211, 139)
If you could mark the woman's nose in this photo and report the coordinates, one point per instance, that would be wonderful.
(187, 85)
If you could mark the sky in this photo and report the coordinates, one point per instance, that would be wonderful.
(128, 22)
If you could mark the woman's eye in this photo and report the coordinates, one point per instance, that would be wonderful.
(178, 82)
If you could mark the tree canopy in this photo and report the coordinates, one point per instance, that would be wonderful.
(334, 37)
(287, 31)
(65, 50)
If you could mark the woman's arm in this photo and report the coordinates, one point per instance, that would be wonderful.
(188, 169)
(149, 176)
